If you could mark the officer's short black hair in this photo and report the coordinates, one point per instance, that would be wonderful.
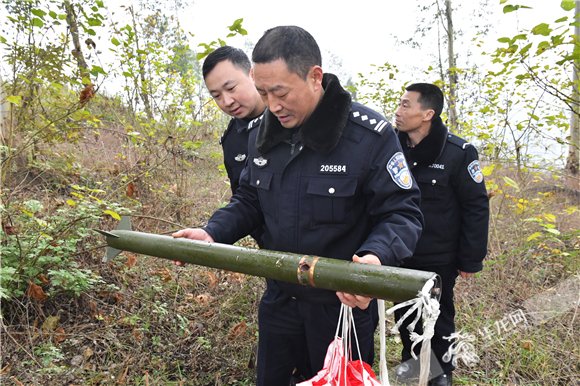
(238, 58)
(431, 96)
(292, 44)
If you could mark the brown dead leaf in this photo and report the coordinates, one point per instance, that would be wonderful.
(104, 294)
(36, 322)
(16, 381)
(137, 335)
(212, 279)
(43, 279)
(527, 344)
(59, 335)
(203, 299)
(8, 229)
(189, 297)
(117, 297)
(35, 292)
(122, 377)
(208, 314)
(164, 274)
(235, 277)
(50, 323)
(87, 94)
(93, 305)
(173, 188)
(88, 353)
(237, 331)
(131, 260)
(5, 370)
(131, 190)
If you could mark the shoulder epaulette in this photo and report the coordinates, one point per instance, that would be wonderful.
(230, 124)
(458, 141)
(369, 119)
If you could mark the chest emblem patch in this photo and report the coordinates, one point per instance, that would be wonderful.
(240, 157)
(399, 171)
(260, 162)
(475, 171)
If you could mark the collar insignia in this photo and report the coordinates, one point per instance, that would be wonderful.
(260, 162)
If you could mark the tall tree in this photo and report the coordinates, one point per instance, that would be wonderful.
(572, 164)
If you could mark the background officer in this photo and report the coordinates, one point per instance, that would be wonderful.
(226, 72)
(455, 205)
(325, 176)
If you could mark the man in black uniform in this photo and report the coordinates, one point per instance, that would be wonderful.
(455, 204)
(325, 176)
(226, 72)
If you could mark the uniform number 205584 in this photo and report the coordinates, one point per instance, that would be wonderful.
(332, 168)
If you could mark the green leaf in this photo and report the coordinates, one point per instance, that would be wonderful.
(113, 215)
(94, 22)
(511, 183)
(542, 29)
(488, 170)
(36, 22)
(38, 12)
(56, 85)
(553, 231)
(568, 5)
(115, 41)
(563, 19)
(504, 40)
(62, 16)
(534, 236)
(15, 99)
(91, 32)
(53, 14)
(509, 8)
(71, 202)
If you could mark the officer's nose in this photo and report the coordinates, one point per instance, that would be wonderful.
(228, 100)
(274, 105)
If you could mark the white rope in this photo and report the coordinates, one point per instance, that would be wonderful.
(383, 371)
(428, 308)
(461, 349)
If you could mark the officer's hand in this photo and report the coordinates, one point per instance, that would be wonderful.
(353, 300)
(466, 275)
(194, 234)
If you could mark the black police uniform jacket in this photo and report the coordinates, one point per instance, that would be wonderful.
(329, 193)
(234, 143)
(454, 200)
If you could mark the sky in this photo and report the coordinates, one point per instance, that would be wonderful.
(360, 32)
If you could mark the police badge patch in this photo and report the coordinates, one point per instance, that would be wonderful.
(260, 162)
(399, 171)
(240, 158)
(475, 171)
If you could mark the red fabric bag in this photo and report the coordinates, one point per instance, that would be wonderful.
(338, 369)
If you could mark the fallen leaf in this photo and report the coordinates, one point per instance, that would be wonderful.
(173, 188)
(76, 361)
(87, 353)
(122, 377)
(137, 335)
(237, 331)
(164, 274)
(93, 305)
(16, 381)
(104, 294)
(212, 279)
(43, 279)
(36, 322)
(5, 370)
(131, 260)
(235, 277)
(59, 336)
(50, 323)
(35, 292)
(189, 297)
(131, 190)
(204, 299)
(527, 344)
(8, 229)
(117, 297)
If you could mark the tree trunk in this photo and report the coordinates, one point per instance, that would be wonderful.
(71, 20)
(143, 88)
(452, 69)
(573, 156)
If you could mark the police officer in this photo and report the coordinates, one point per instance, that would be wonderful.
(326, 176)
(226, 72)
(455, 204)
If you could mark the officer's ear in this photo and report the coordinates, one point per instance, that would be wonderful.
(428, 115)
